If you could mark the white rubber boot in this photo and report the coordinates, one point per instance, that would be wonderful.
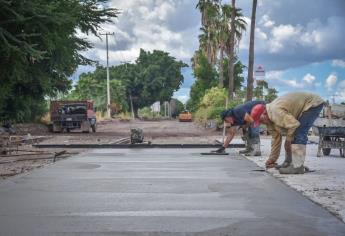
(298, 158)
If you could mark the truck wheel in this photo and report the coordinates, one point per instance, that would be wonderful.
(326, 151)
(93, 127)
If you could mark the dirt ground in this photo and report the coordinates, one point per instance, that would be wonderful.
(108, 132)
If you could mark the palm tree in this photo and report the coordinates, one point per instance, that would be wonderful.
(216, 32)
(231, 51)
(224, 33)
(250, 79)
(209, 12)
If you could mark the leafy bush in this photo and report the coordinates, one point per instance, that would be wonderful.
(212, 104)
(146, 113)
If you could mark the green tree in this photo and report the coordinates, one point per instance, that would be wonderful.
(216, 32)
(155, 76)
(93, 86)
(272, 94)
(206, 75)
(209, 12)
(259, 91)
(238, 74)
(40, 49)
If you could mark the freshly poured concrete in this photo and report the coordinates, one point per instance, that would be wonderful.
(157, 192)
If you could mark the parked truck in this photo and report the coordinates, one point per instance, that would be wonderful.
(68, 115)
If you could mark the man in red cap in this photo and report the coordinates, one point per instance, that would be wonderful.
(293, 114)
(239, 116)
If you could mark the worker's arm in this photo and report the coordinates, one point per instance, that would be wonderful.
(287, 147)
(275, 148)
(229, 137)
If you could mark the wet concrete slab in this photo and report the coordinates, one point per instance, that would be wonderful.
(157, 192)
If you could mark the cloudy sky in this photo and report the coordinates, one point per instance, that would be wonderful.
(300, 43)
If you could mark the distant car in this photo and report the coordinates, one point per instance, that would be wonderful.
(185, 116)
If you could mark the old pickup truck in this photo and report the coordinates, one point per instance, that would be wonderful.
(68, 115)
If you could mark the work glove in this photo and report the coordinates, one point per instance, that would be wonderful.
(220, 150)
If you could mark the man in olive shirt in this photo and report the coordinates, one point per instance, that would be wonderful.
(293, 113)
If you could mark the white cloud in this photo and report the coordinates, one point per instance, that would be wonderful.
(275, 74)
(309, 78)
(339, 63)
(331, 81)
(340, 93)
(285, 32)
(149, 24)
(282, 45)
(266, 21)
(279, 79)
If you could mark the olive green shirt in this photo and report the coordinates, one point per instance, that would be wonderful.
(284, 113)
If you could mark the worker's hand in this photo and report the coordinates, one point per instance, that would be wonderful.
(270, 164)
(287, 146)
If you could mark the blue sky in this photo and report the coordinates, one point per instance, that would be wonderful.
(300, 43)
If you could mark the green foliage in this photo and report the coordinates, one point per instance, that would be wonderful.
(259, 91)
(238, 74)
(206, 76)
(40, 49)
(154, 77)
(93, 86)
(214, 97)
(146, 113)
(212, 104)
(271, 94)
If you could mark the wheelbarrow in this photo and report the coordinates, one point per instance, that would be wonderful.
(331, 138)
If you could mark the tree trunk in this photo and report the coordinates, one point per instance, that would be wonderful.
(136, 114)
(221, 70)
(250, 80)
(232, 51)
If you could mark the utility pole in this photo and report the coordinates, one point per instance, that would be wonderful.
(108, 86)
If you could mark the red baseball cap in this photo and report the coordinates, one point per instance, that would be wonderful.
(256, 112)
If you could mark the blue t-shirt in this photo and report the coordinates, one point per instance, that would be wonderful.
(240, 111)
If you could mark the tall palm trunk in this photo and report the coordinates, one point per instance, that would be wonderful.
(232, 51)
(250, 80)
(221, 70)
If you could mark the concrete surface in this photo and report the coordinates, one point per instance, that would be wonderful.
(325, 186)
(157, 192)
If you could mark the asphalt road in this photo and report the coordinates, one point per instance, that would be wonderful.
(157, 192)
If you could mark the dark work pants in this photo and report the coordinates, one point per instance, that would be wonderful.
(306, 121)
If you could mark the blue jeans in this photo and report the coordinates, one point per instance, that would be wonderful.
(307, 120)
(254, 132)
